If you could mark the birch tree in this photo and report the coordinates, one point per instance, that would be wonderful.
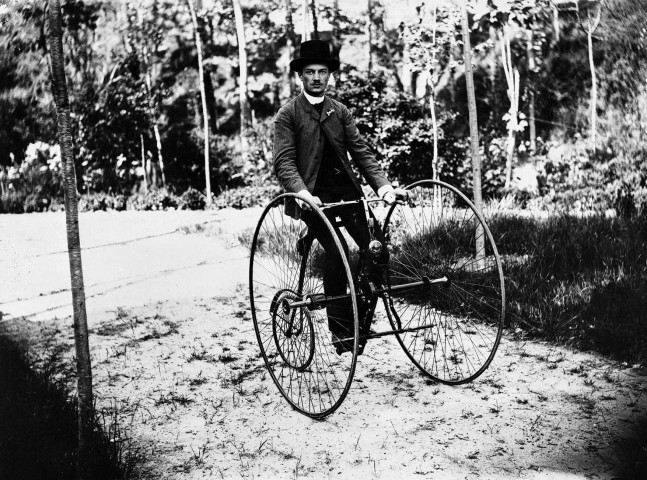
(474, 132)
(593, 15)
(512, 116)
(242, 81)
(315, 19)
(289, 36)
(203, 97)
(369, 34)
(82, 347)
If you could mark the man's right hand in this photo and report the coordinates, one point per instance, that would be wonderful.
(308, 196)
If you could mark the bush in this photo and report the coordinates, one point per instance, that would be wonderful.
(192, 199)
(246, 197)
(12, 202)
(160, 199)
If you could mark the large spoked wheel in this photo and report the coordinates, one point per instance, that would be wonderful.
(450, 329)
(296, 342)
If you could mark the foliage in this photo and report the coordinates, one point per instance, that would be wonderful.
(192, 199)
(131, 70)
(246, 197)
(393, 123)
(38, 180)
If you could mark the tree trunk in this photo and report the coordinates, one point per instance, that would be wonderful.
(591, 25)
(512, 78)
(432, 99)
(144, 166)
(594, 90)
(474, 131)
(289, 35)
(369, 34)
(203, 97)
(556, 28)
(212, 105)
(531, 91)
(305, 31)
(83, 364)
(242, 83)
(315, 20)
(160, 158)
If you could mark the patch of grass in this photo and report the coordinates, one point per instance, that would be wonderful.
(582, 280)
(38, 426)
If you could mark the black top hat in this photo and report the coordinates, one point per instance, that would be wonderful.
(314, 51)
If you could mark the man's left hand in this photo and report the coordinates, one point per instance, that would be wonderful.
(391, 194)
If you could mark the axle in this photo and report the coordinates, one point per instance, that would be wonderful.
(315, 301)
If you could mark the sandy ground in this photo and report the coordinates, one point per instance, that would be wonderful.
(175, 356)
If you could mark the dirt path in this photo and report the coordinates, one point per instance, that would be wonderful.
(175, 355)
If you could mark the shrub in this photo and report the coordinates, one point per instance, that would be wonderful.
(160, 199)
(246, 197)
(192, 199)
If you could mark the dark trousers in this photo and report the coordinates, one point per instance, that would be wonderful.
(353, 218)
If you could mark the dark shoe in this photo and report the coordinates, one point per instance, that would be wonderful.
(342, 346)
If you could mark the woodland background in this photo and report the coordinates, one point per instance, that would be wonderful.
(133, 76)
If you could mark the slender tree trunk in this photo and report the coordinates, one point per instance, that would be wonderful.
(212, 105)
(83, 363)
(315, 20)
(305, 30)
(474, 131)
(144, 166)
(289, 35)
(160, 158)
(242, 83)
(556, 28)
(203, 97)
(594, 90)
(432, 99)
(512, 78)
(593, 20)
(531, 91)
(369, 34)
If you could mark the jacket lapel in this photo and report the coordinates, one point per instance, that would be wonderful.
(305, 104)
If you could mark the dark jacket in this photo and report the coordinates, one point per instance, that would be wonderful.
(298, 146)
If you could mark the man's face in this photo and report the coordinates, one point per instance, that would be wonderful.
(315, 79)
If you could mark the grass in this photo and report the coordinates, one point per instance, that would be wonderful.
(38, 426)
(582, 280)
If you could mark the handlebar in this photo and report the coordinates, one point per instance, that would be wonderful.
(353, 202)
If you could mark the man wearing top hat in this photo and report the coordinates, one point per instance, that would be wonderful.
(313, 135)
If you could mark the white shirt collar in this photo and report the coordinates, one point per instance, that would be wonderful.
(313, 100)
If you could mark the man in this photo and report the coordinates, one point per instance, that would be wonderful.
(312, 135)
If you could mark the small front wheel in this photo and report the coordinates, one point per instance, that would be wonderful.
(293, 331)
(450, 329)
